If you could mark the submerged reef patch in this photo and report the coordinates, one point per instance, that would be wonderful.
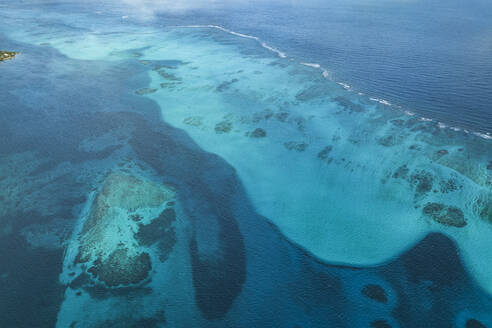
(113, 236)
(193, 120)
(380, 324)
(145, 91)
(297, 146)
(423, 181)
(348, 105)
(483, 206)
(474, 323)
(401, 172)
(168, 76)
(323, 154)
(258, 133)
(146, 322)
(121, 268)
(389, 141)
(447, 215)
(225, 85)
(375, 292)
(223, 127)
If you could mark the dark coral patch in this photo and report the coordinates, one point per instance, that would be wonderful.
(168, 76)
(489, 166)
(258, 133)
(120, 268)
(282, 116)
(348, 105)
(449, 185)
(225, 85)
(442, 152)
(388, 141)
(474, 323)
(223, 127)
(323, 154)
(375, 292)
(447, 215)
(380, 324)
(398, 122)
(312, 92)
(486, 211)
(297, 146)
(150, 322)
(145, 91)
(423, 181)
(401, 172)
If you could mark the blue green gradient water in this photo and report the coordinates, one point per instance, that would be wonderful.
(300, 203)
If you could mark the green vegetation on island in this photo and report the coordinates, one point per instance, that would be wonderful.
(5, 55)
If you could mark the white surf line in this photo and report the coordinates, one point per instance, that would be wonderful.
(327, 74)
(324, 72)
(262, 43)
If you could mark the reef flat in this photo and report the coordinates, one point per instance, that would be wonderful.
(6, 55)
(127, 231)
(326, 165)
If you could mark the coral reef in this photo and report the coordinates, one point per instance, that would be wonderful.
(193, 120)
(168, 76)
(375, 292)
(389, 141)
(121, 268)
(145, 91)
(323, 154)
(258, 133)
(423, 181)
(225, 85)
(297, 146)
(380, 324)
(348, 105)
(483, 206)
(109, 241)
(447, 215)
(474, 323)
(223, 127)
(401, 172)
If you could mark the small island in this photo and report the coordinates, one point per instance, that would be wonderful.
(5, 55)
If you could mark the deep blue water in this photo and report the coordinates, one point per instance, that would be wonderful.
(429, 57)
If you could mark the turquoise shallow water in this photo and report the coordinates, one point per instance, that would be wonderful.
(298, 203)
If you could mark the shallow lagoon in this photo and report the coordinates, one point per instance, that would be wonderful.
(298, 203)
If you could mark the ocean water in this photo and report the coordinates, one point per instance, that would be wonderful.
(180, 171)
